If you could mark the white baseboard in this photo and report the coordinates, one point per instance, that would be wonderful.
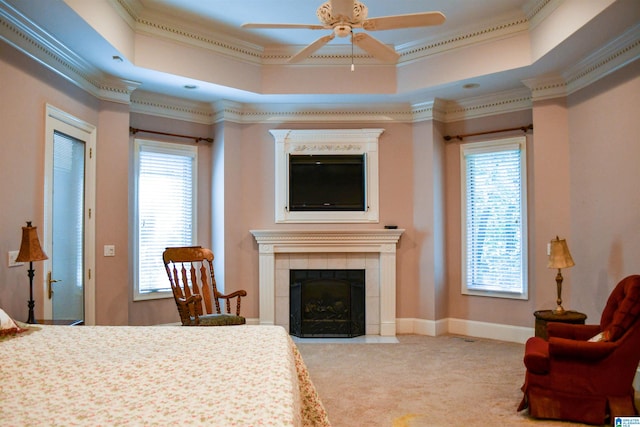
(469, 328)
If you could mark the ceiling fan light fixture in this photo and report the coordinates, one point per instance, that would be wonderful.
(330, 17)
(342, 30)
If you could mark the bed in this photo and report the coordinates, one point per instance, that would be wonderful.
(156, 375)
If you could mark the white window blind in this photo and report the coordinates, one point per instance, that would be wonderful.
(166, 206)
(494, 225)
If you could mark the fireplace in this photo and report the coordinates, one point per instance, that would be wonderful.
(283, 250)
(327, 303)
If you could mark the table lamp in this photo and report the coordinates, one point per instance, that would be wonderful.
(30, 251)
(559, 257)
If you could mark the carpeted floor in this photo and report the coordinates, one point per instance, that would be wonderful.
(421, 381)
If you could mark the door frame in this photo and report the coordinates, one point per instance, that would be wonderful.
(56, 119)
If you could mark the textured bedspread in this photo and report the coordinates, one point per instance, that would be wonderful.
(110, 375)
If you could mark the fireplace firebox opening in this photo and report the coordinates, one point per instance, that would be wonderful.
(327, 303)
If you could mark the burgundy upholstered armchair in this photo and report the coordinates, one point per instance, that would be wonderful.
(585, 373)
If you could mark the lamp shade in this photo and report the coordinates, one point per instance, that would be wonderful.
(30, 249)
(559, 255)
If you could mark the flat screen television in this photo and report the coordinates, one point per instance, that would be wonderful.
(327, 182)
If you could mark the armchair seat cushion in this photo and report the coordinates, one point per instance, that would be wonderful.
(219, 320)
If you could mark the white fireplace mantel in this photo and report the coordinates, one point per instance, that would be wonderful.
(380, 241)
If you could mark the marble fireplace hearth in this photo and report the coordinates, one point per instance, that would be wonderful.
(373, 250)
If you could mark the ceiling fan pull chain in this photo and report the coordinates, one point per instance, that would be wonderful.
(352, 66)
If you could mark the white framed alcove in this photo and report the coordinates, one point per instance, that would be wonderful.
(326, 141)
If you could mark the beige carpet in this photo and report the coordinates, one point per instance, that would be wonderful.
(422, 381)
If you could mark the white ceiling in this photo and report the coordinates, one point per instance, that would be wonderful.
(223, 19)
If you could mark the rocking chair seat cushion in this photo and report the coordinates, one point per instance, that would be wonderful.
(219, 320)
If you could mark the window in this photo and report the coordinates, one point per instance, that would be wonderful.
(165, 210)
(494, 220)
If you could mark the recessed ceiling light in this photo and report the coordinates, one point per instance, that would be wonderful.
(190, 87)
(470, 86)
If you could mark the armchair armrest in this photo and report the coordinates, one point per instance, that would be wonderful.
(580, 350)
(572, 331)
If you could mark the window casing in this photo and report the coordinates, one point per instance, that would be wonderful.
(494, 218)
(165, 210)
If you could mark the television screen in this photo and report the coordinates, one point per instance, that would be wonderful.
(327, 182)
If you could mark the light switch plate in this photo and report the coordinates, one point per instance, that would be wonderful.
(11, 259)
(109, 250)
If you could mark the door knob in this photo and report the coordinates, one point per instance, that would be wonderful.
(49, 282)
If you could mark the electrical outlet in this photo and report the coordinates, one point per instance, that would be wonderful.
(109, 250)
(11, 259)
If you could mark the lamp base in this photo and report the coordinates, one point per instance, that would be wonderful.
(559, 310)
(31, 319)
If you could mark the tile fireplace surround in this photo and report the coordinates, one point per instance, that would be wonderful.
(372, 250)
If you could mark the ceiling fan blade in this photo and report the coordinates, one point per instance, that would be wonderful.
(304, 53)
(409, 20)
(342, 8)
(375, 47)
(286, 26)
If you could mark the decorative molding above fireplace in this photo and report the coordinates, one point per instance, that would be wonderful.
(321, 142)
(381, 243)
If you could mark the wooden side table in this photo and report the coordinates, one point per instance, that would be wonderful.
(545, 316)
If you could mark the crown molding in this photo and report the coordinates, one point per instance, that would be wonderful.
(336, 113)
(413, 51)
(208, 40)
(20, 32)
(171, 108)
(234, 112)
(547, 87)
(537, 11)
(26, 36)
(488, 105)
(609, 58)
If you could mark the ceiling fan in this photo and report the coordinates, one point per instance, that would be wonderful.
(342, 16)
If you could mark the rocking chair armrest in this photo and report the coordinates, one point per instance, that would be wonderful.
(234, 294)
(190, 300)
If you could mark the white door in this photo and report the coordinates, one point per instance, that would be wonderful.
(69, 291)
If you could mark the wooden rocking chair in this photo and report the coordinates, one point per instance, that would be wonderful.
(190, 272)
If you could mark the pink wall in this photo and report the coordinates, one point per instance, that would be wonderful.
(583, 179)
(25, 89)
(604, 139)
